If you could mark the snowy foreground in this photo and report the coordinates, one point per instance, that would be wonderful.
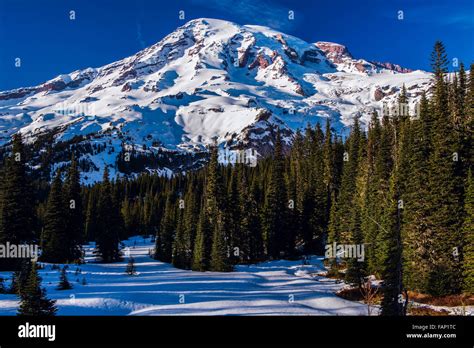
(269, 288)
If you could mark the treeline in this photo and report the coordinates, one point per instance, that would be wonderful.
(403, 189)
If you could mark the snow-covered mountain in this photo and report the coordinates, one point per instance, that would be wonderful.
(209, 80)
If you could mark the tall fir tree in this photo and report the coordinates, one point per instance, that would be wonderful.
(274, 216)
(216, 209)
(33, 300)
(107, 234)
(445, 198)
(54, 238)
(202, 244)
(17, 217)
(164, 239)
(74, 213)
(467, 229)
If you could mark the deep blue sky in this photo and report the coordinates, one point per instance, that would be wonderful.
(49, 43)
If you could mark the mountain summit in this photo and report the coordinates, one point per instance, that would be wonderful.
(209, 80)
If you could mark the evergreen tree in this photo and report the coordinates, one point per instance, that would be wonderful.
(416, 235)
(164, 239)
(20, 277)
(55, 233)
(16, 208)
(274, 219)
(220, 253)
(63, 281)
(252, 239)
(345, 213)
(468, 228)
(391, 245)
(74, 213)
(216, 215)
(33, 300)
(91, 225)
(107, 234)
(202, 244)
(445, 199)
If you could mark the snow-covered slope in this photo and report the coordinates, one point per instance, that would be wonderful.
(270, 288)
(209, 80)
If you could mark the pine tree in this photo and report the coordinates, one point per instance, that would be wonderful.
(16, 209)
(391, 232)
(348, 185)
(164, 240)
(234, 215)
(190, 221)
(20, 277)
(369, 226)
(107, 235)
(252, 239)
(202, 244)
(73, 211)
(356, 266)
(91, 225)
(179, 248)
(63, 281)
(391, 245)
(274, 219)
(468, 228)
(220, 258)
(216, 215)
(416, 234)
(445, 197)
(319, 197)
(54, 238)
(33, 300)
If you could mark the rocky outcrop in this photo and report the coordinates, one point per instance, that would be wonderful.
(393, 67)
(126, 87)
(310, 56)
(333, 51)
(260, 61)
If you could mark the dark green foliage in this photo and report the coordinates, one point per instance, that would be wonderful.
(278, 240)
(17, 218)
(73, 211)
(63, 281)
(202, 244)
(33, 300)
(54, 238)
(164, 237)
(107, 234)
(467, 229)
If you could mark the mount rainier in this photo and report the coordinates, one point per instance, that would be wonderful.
(209, 80)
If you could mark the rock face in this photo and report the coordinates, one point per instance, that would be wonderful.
(336, 53)
(260, 61)
(209, 80)
(344, 61)
(394, 67)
